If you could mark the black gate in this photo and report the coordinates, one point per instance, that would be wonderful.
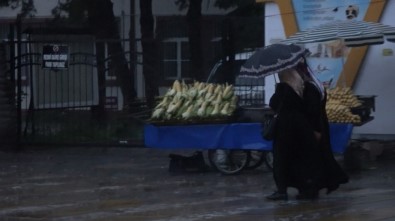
(65, 92)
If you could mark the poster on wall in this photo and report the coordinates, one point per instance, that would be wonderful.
(327, 58)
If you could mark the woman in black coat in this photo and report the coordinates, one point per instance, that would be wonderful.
(296, 156)
(315, 97)
(302, 154)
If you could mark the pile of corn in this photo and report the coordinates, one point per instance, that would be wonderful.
(339, 104)
(196, 101)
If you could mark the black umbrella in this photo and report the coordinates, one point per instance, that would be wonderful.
(272, 59)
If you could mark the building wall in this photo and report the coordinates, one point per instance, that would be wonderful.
(376, 75)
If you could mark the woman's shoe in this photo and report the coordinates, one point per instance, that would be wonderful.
(277, 196)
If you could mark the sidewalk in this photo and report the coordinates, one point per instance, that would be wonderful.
(125, 184)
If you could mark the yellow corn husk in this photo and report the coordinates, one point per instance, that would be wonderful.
(218, 99)
(164, 103)
(211, 98)
(218, 89)
(211, 88)
(201, 86)
(188, 113)
(224, 110)
(202, 110)
(184, 92)
(192, 92)
(171, 92)
(173, 106)
(177, 86)
(216, 109)
(202, 92)
(228, 95)
(199, 101)
(233, 100)
(339, 104)
(184, 106)
(210, 91)
(158, 113)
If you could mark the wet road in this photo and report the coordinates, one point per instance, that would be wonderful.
(114, 184)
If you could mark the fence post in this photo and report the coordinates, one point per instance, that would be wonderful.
(19, 80)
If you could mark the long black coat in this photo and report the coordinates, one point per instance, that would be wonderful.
(316, 113)
(297, 160)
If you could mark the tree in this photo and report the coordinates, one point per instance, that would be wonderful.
(245, 23)
(100, 19)
(27, 7)
(149, 46)
(248, 36)
(194, 17)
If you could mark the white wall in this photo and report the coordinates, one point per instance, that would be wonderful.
(274, 31)
(376, 76)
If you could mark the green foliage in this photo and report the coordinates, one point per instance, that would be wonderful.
(77, 10)
(27, 6)
(9, 3)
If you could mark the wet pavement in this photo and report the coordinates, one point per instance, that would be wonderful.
(127, 184)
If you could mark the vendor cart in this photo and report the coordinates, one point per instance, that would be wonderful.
(233, 143)
(236, 139)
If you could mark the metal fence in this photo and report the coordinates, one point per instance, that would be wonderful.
(62, 96)
(66, 90)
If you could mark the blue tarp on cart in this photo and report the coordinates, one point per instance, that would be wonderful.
(207, 136)
(226, 136)
(340, 136)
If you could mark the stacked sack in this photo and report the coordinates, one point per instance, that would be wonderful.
(196, 101)
(339, 104)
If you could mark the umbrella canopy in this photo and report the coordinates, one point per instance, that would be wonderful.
(272, 59)
(354, 33)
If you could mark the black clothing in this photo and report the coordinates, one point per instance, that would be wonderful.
(299, 159)
(316, 112)
(295, 149)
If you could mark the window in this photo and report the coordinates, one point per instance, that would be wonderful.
(176, 59)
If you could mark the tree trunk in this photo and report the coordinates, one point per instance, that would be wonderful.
(99, 112)
(194, 16)
(102, 20)
(149, 46)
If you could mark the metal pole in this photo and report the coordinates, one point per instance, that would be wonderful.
(19, 80)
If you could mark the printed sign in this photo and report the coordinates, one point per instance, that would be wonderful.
(327, 59)
(55, 56)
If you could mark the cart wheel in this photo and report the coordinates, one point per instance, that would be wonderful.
(257, 157)
(229, 162)
(269, 159)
